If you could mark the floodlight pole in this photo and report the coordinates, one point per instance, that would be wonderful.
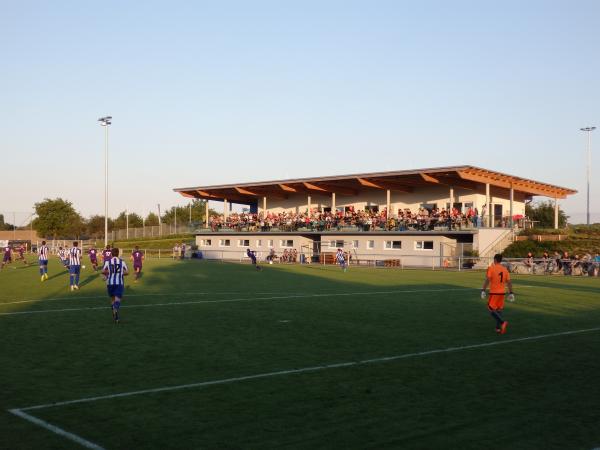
(105, 122)
(588, 130)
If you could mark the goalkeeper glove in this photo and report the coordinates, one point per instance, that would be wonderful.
(511, 297)
(483, 294)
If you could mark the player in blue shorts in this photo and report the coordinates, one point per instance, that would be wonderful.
(114, 270)
(63, 255)
(341, 259)
(74, 266)
(252, 256)
(43, 260)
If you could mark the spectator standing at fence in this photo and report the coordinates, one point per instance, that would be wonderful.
(558, 260)
(183, 247)
(497, 277)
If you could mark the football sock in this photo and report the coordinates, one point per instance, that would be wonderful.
(71, 280)
(77, 279)
(116, 306)
(41, 271)
(496, 315)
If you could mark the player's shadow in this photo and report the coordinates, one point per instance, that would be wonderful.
(62, 273)
(88, 279)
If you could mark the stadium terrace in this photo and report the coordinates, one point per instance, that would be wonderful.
(424, 217)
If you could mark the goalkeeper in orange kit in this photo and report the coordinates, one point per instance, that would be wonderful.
(497, 278)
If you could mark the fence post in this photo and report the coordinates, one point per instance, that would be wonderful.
(159, 253)
(459, 264)
(433, 263)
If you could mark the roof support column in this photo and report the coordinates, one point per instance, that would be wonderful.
(206, 212)
(512, 199)
(451, 198)
(333, 202)
(264, 206)
(308, 204)
(388, 204)
(556, 213)
(225, 208)
(488, 206)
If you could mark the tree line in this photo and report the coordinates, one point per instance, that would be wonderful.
(58, 219)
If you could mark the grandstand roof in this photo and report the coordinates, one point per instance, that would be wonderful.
(467, 177)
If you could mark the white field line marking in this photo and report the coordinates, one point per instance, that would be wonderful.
(229, 300)
(48, 426)
(156, 294)
(309, 369)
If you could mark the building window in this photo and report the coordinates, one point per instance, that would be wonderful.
(372, 208)
(354, 244)
(286, 243)
(336, 244)
(423, 245)
(244, 243)
(259, 243)
(270, 243)
(205, 242)
(392, 245)
(224, 243)
(371, 244)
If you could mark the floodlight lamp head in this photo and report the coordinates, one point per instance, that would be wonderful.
(588, 129)
(105, 121)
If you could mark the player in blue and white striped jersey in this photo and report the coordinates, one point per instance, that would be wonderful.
(115, 270)
(74, 266)
(341, 259)
(43, 260)
(63, 255)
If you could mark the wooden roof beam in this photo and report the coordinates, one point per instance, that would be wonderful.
(262, 192)
(429, 178)
(385, 184)
(342, 190)
(287, 188)
(553, 193)
(188, 194)
(314, 187)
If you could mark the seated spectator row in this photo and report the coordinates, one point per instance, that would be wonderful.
(363, 220)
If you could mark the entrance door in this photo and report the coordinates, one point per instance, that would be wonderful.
(497, 215)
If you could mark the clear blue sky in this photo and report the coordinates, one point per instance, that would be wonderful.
(216, 92)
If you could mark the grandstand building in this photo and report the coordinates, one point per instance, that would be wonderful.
(499, 200)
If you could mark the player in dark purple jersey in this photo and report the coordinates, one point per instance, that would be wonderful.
(93, 254)
(7, 256)
(21, 251)
(252, 255)
(106, 254)
(137, 256)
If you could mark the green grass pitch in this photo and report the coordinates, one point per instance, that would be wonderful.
(193, 322)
